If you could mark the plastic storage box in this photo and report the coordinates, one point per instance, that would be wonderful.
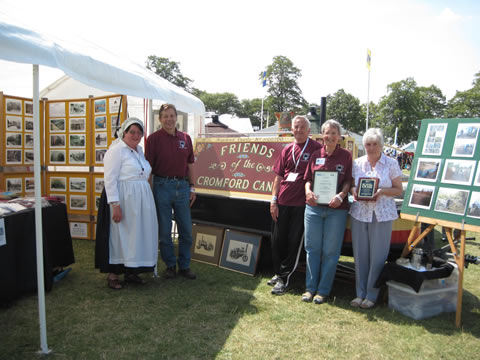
(428, 302)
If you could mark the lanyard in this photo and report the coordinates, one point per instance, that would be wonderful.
(293, 154)
(138, 160)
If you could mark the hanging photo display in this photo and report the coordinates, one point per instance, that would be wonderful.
(21, 183)
(73, 188)
(67, 132)
(105, 113)
(444, 182)
(17, 130)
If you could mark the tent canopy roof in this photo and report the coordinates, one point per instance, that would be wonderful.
(91, 65)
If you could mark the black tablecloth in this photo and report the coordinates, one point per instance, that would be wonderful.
(18, 265)
(391, 271)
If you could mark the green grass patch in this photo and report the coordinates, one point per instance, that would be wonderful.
(226, 315)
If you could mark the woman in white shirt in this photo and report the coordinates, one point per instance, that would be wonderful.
(133, 229)
(372, 221)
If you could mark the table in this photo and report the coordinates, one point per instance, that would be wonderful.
(18, 265)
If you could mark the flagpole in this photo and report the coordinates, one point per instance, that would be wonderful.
(368, 99)
(264, 83)
(369, 60)
(261, 116)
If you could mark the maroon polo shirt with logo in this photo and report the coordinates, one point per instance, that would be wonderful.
(168, 154)
(340, 161)
(293, 193)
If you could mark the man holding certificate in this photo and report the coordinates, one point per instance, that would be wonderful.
(288, 203)
(328, 178)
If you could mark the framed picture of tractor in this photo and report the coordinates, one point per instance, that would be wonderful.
(240, 251)
(207, 243)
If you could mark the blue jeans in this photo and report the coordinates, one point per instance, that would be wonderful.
(324, 231)
(173, 194)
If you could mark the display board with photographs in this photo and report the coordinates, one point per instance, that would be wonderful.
(22, 184)
(108, 113)
(66, 132)
(444, 181)
(97, 188)
(73, 188)
(16, 129)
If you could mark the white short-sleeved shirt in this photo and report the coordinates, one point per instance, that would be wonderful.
(386, 170)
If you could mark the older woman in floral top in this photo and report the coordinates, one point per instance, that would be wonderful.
(372, 221)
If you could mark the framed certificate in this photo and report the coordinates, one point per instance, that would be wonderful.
(325, 185)
(366, 188)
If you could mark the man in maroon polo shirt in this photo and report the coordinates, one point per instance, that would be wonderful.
(288, 203)
(170, 153)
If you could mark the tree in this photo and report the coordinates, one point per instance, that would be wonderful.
(251, 108)
(465, 104)
(169, 70)
(401, 109)
(346, 109)
(220, 103)
(284, 92)
(432, 102)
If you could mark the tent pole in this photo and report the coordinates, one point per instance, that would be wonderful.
(38, 212)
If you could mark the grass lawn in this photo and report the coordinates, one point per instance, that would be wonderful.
(227, 315)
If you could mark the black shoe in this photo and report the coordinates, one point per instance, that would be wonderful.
(170, 273)
(187, 273)
(134, 279)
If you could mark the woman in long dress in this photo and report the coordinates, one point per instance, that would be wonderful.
(127, 229)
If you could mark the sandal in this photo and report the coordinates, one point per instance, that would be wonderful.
(367, 304)
(134, 279)
(307, 297)
(356, 302)
(114, 283)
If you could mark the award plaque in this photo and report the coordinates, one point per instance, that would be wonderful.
(367, 187)
(325, 185)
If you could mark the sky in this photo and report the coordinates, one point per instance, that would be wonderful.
(224, 45)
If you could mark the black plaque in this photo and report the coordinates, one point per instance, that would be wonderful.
(366, 189)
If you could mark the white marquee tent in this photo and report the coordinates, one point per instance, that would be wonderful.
(91, 65)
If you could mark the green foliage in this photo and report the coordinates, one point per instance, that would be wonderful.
(251, 109)
(465, 104)
(346, 109)
(405, 105)
(432, 102)
(169, 70)
(282, 82)
(220, 103)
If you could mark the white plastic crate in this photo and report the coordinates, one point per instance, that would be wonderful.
(426, 303)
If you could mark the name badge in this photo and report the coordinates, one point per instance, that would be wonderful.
(320, 161)
(292, 177)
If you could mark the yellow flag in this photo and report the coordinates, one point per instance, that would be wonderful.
(369, 59)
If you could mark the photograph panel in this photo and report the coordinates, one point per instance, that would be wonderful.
(428, 169)
(458, 172)
(466, 140)
(421, 196)
(452, 201)
(474, 205)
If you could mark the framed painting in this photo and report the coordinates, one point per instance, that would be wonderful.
(240, 252)
(207, 243)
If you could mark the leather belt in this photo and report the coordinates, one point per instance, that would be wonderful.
(177, 178)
